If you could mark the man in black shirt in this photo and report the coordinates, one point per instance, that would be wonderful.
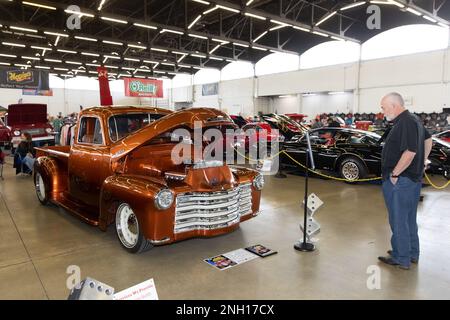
(406, 149)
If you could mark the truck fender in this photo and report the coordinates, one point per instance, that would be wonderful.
(53, 174)
(137, 191)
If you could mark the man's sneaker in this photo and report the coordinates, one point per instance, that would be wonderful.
(413, 260)
(392, 262)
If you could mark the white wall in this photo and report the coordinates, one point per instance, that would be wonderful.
(325, 103)
(288, 104)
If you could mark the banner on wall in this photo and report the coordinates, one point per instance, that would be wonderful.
(210, 89)
(32, 92)
(12, 78)
(149, 88)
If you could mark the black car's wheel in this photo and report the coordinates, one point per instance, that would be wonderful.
(129, 232)
(41, 189)
(352, 169)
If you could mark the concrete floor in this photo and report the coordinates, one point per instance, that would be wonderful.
(37, 244)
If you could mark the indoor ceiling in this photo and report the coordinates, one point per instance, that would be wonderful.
(157, 38)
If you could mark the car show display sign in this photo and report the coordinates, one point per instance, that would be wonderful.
(32, 92)
(149, 88)
(143, 291)
(233, 258)
(13, 78)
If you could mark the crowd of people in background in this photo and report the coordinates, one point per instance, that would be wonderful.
(434, 122)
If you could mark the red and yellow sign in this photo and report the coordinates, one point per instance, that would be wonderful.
(19, 76)
(143, 88)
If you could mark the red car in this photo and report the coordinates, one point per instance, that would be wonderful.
(261, 130)
(5, 135)
(444, 136)
(31, 118)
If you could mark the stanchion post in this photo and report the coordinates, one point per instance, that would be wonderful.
(306, 246)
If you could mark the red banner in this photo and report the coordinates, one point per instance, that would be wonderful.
(105, 93)
(143, 88)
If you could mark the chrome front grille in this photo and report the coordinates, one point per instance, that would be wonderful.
(212, 210)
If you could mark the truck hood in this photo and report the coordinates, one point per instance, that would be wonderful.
(26, 113)
(186, 118)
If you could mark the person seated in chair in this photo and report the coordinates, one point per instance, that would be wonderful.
(24, 156)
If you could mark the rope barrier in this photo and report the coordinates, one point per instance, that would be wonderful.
(336, 178)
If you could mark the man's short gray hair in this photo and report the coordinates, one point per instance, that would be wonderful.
(396, 97)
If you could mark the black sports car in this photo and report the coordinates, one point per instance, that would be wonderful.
(354, 154)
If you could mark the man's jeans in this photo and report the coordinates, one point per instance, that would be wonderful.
(402, 200)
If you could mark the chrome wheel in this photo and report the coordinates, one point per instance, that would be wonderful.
(40, 187)
(350, 171)
(127, 226)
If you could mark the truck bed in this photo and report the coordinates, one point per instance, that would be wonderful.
(54, 151)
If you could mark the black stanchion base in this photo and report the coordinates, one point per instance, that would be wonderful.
(304, 247)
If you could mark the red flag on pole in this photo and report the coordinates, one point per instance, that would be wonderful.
(105, 93)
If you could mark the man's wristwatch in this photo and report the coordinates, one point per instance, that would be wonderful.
(393, 175)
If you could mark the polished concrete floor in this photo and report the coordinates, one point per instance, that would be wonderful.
(38, 244)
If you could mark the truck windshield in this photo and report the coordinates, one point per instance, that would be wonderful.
(123, 124)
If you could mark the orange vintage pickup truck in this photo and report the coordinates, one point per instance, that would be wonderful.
(120, 170)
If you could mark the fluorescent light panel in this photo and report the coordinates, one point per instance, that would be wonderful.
(38, 5)
(145, 26)
(114, 20)
(353, 5)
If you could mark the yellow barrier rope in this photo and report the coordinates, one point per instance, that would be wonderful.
(336, 178)
(435, 186)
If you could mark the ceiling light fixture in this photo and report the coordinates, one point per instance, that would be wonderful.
(145, 26)
(248, 14)
(66, 51)
(326, 18)
(23, 29)
(13, 44)
(260, 36)
(195, 21)
(114, 20)
(113, 42)
(353, 5)
(227, 8)
(81, 14)
(56, 34)
(137, 46)
(86, 39)
(38, 5)
(417, 13)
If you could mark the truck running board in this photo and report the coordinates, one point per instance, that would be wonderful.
(77, 210)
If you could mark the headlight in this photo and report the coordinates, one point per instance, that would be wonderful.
(48, 130)
(17, 133)
(258, 182)
(164, 199)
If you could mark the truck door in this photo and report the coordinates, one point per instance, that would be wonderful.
(88, 161)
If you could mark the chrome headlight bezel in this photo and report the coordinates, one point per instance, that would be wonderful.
(258, 182)
(16, 133)
(48, 130)
(164, 199)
